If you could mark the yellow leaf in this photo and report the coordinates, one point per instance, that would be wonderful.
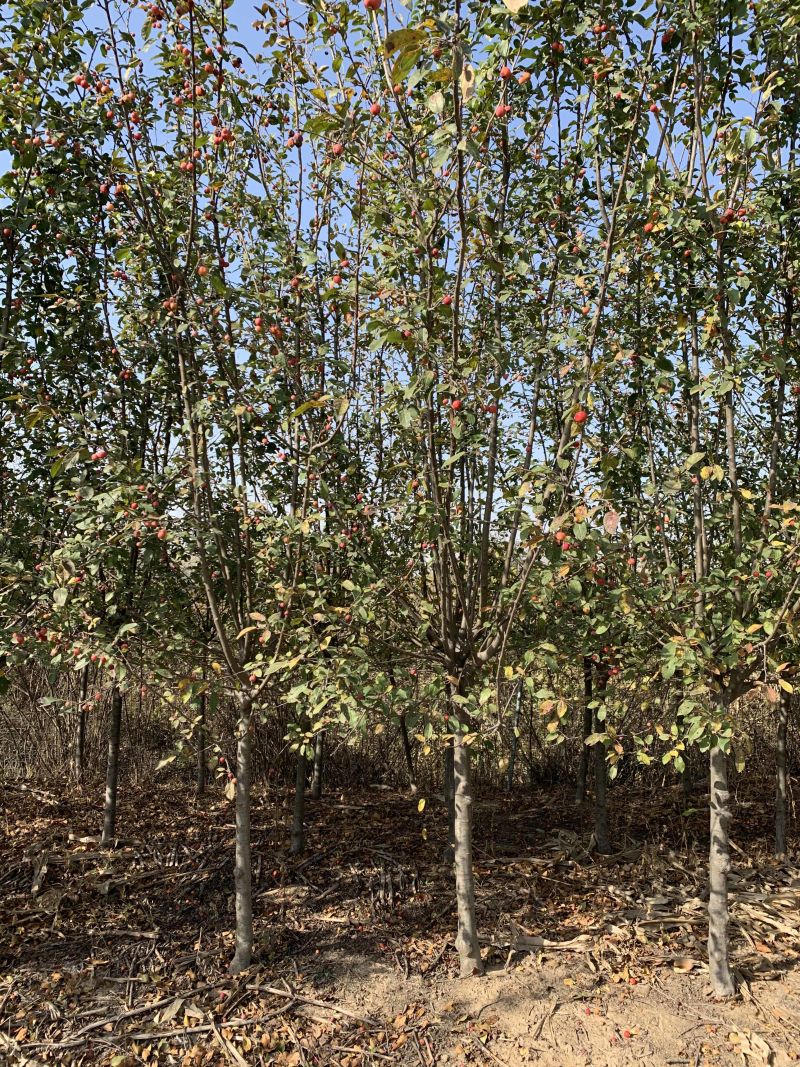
(421, 805)
(467, 81)
(785, 686)
(217, 667)
(515, 5)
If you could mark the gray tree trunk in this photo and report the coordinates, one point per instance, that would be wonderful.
(315, 791)
(467, 937)
(407, 751)
(583, 766)
(243, 875)
(450, 801)
(298, 842)
(719, 864)
(780, 776)
(112, 770)
(512, 759)
(80, 734)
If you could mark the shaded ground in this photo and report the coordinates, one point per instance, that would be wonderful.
(120, 958)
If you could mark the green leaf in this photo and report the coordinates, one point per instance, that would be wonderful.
(402, 40)
(404, 64)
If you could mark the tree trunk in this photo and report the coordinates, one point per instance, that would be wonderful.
(512, 760)
(112, 770)
(412, 774)
(467, 937)
(583, 766)
(780, 776)
(319, 762)
(298, 832)
(719, 864)
(243, 875)
(601, 841)
(80, 734)
(450, 801)
(201, 747)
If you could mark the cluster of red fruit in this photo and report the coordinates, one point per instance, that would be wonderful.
(222, 135)
(155, 14)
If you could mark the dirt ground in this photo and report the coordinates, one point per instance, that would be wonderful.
(119, 958)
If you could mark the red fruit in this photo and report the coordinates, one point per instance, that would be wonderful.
(202, 270)
(524, 78)
(336, 279)
(372, 5)
(447, 300)
(505, 73)
(626, 1033)
(456, 405)
(654, 108)
(99, 454)
(631, 561)
(648, 227)
(557, 47)
(560, 536)
(374, 109)
(580, 417)
(162, 533)
(337, 149)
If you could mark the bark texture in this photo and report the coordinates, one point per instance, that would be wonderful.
(79, 754)
(469, 951)
(243, 875)
(780, 776)
(450, 801)
(719, 865)
(319, 763)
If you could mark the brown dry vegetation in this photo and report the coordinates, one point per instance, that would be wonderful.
(121, 957)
